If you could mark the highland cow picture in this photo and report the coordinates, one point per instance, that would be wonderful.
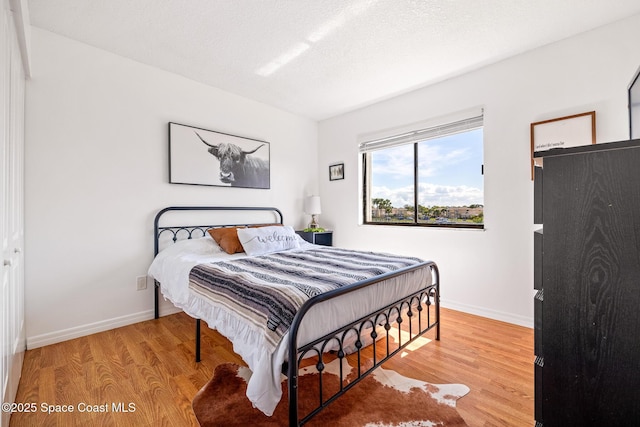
(205, 157)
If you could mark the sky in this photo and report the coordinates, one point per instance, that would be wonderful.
(449, 172)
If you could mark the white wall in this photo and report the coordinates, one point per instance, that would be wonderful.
(97, 172)
(488, 272)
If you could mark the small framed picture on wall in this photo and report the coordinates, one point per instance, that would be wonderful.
(336, 171)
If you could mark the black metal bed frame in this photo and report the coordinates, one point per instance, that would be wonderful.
(421, 308)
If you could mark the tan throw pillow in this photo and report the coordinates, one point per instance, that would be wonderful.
(227, 239)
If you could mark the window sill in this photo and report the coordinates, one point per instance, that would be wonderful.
(423, 225)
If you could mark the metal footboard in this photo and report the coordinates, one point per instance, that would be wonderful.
(416, 308)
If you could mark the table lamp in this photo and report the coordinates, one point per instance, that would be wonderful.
(312, 207)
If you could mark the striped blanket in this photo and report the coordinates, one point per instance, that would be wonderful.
(268, 290)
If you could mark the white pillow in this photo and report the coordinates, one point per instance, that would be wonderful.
(265, 240)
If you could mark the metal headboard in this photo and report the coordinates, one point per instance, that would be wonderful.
(181, 231)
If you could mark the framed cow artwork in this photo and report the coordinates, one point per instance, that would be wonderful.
(204, 157)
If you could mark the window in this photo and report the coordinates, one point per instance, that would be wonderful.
(428, 177)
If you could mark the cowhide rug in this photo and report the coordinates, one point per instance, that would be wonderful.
(384, 398)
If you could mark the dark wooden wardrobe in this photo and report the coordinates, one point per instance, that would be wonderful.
(587, 274)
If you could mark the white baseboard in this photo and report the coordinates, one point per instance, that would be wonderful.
(491, 314)
(168, 308)
(93, 328)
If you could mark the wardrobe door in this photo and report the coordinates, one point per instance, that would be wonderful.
(591, 288)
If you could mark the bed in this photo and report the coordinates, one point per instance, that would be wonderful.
(287, 308)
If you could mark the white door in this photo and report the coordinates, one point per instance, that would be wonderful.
(12, 82)
(4, 202)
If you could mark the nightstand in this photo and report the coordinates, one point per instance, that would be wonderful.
(324, 238)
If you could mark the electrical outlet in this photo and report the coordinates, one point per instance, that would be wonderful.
(141, 283)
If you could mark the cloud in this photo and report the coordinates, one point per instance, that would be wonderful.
(431, 195)
(433, 160)
(398, 196)
(449, 195)
(393, 163)
(396, 163)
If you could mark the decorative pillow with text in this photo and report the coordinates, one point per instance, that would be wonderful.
(265, 240)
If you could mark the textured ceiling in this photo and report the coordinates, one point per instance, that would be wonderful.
(320, 58)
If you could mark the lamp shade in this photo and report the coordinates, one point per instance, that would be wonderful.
(312, 205)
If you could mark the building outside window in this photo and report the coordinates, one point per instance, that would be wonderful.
(430, 176)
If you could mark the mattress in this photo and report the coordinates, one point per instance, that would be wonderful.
(171, 269)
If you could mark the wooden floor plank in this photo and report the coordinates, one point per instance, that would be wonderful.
(146, 374)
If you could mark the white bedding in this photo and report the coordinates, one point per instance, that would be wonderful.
(171, 269)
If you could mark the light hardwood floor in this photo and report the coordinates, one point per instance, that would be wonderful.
(148, 369)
